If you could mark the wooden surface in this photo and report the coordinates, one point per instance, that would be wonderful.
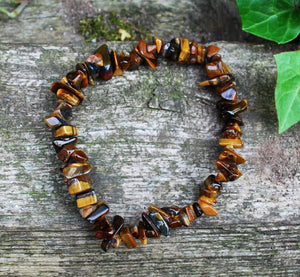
(141, 155)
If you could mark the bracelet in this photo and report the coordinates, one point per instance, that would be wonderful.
(105, 64)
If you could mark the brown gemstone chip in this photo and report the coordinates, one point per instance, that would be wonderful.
(228, 170)
(149, 224)
(167, 217)
(86, 198)
(142, 232)
(75, 169)
(116, 67)
(66, 131)
(207, 208)
(128, 238)
(184, 56)
(236, 143)
(79, 184)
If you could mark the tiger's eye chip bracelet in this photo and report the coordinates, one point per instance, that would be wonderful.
(104, 64)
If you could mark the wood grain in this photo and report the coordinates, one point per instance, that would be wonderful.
(142, 154)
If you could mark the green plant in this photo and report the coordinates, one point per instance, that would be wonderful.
(279, 21)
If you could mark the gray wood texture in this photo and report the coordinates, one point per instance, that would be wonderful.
(142, 155)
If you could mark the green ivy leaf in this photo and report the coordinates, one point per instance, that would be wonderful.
(287, 92)
(276, 20)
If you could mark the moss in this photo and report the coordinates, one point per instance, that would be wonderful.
(112, 26)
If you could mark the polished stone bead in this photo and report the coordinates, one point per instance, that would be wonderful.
(229, 94)
(116, 241)
(184, 56)
(68, 97)
(97, 59)
(116, 67)
(135, 231)
(78, 156)
(87, 210)
(201, 53)
(197, 209)
(230, 117)
(141, 50)
(173, 210)
(207, 208)
(160, 223)
(151, 48)
(167, 217)
(236, 143)
(194, 51)
(165, 49)
(149, 224)
(134, 60)
(66, 131)
(158, 42)
(65, 153)
(234, 108)
(174, 49)
(228, 170)
(217, 81)
(208, 200)
(63, 111)
(84, 68)
(211, 184)
(207, 192)
(106, 71)
(127, 238)
(189, 211)
(230, 155)
(225, 86)
(76, 169)
(142, 233)
(211, 50)
(216, 69)
(124, 59)
(184, 218)
(99, 212)
(58, 144)
(65, 86)
(77, 79)
(79, 184)
(86, 198)
(93, 69)
(176, 222)
(231, 133)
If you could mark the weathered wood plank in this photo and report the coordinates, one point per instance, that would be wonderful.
(141, 156)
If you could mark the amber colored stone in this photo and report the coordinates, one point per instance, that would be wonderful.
(193, 52)
(216, 69)
(94, 71)
(149, 224)
(66, 131)
(63, 111)
(56, 86)
(86, 198)
(207, 192)
(234, 108)
(124, 59)
(87, 210)
(216, 57)
(211, 50)
(84, 68)
(201, 51)
(116, 68)
(77, 79)
(197, 209)
(234, 126)
(65, 153)
(134, 61)
(78, 156)
(75, 169)
(68, 97)
(189, 211)
(160, 223)
(127, 238)
(142, 233)
(176, 222)
(79, 184)
(151, 48)
(58, 144)
(98, 213)
(228, 116)
(228, 170)
(96, 59)
(101, 234)
(231, 155)
(184, 56)
(184, 218)
(236, 143)
(158, 42)
(106, 71)
(230, 133)
(217, 81)
(226, 86)
(134, 231)
(141, 50)
(207, 209)
(167, 217)
(103, 223)
(211, 184)
(208, 200)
